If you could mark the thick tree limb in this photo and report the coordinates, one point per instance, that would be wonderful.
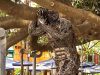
(70, 12)
(77, 16)
(18, 36)
(67, 2)
(11, 22)
(18, 10)
(25, 12)
(89, 32)
(4, 18)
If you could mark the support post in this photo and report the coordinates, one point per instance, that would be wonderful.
(22, 67)
(27, 70)
(2, 51)
(28, 57)
(34, 63)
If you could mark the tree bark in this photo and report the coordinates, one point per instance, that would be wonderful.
(67, 61)
(11, 22)
(71, 13)
(63, 41)
(90, 31)
(29, 13)
(18, 36)
(18, 10)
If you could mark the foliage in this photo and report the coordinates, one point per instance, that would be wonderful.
(11, 32)
(77, 3)
(86, 51)
(90, 48)
(90, 5)
(43, 40)
(2, 14)
(17, 71)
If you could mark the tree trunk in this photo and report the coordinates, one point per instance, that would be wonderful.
(62, 39)
(2, 51)
(66, 56)
(67, 61)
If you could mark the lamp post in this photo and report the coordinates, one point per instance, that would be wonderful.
(2, 51)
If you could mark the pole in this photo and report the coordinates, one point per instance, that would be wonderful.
(22, 67)
(34, 64)
(28, 56)
(2, 51)
(27, 70)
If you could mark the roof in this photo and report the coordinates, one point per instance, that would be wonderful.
(9, 63)
(11, 48)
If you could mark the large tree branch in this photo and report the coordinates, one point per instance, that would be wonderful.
(90, 33)
(18, 10)
(88, 30)
(67, 2)
(70, 12)
(25, 12)
(11, 22)
(18, 36)
(4, 18)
